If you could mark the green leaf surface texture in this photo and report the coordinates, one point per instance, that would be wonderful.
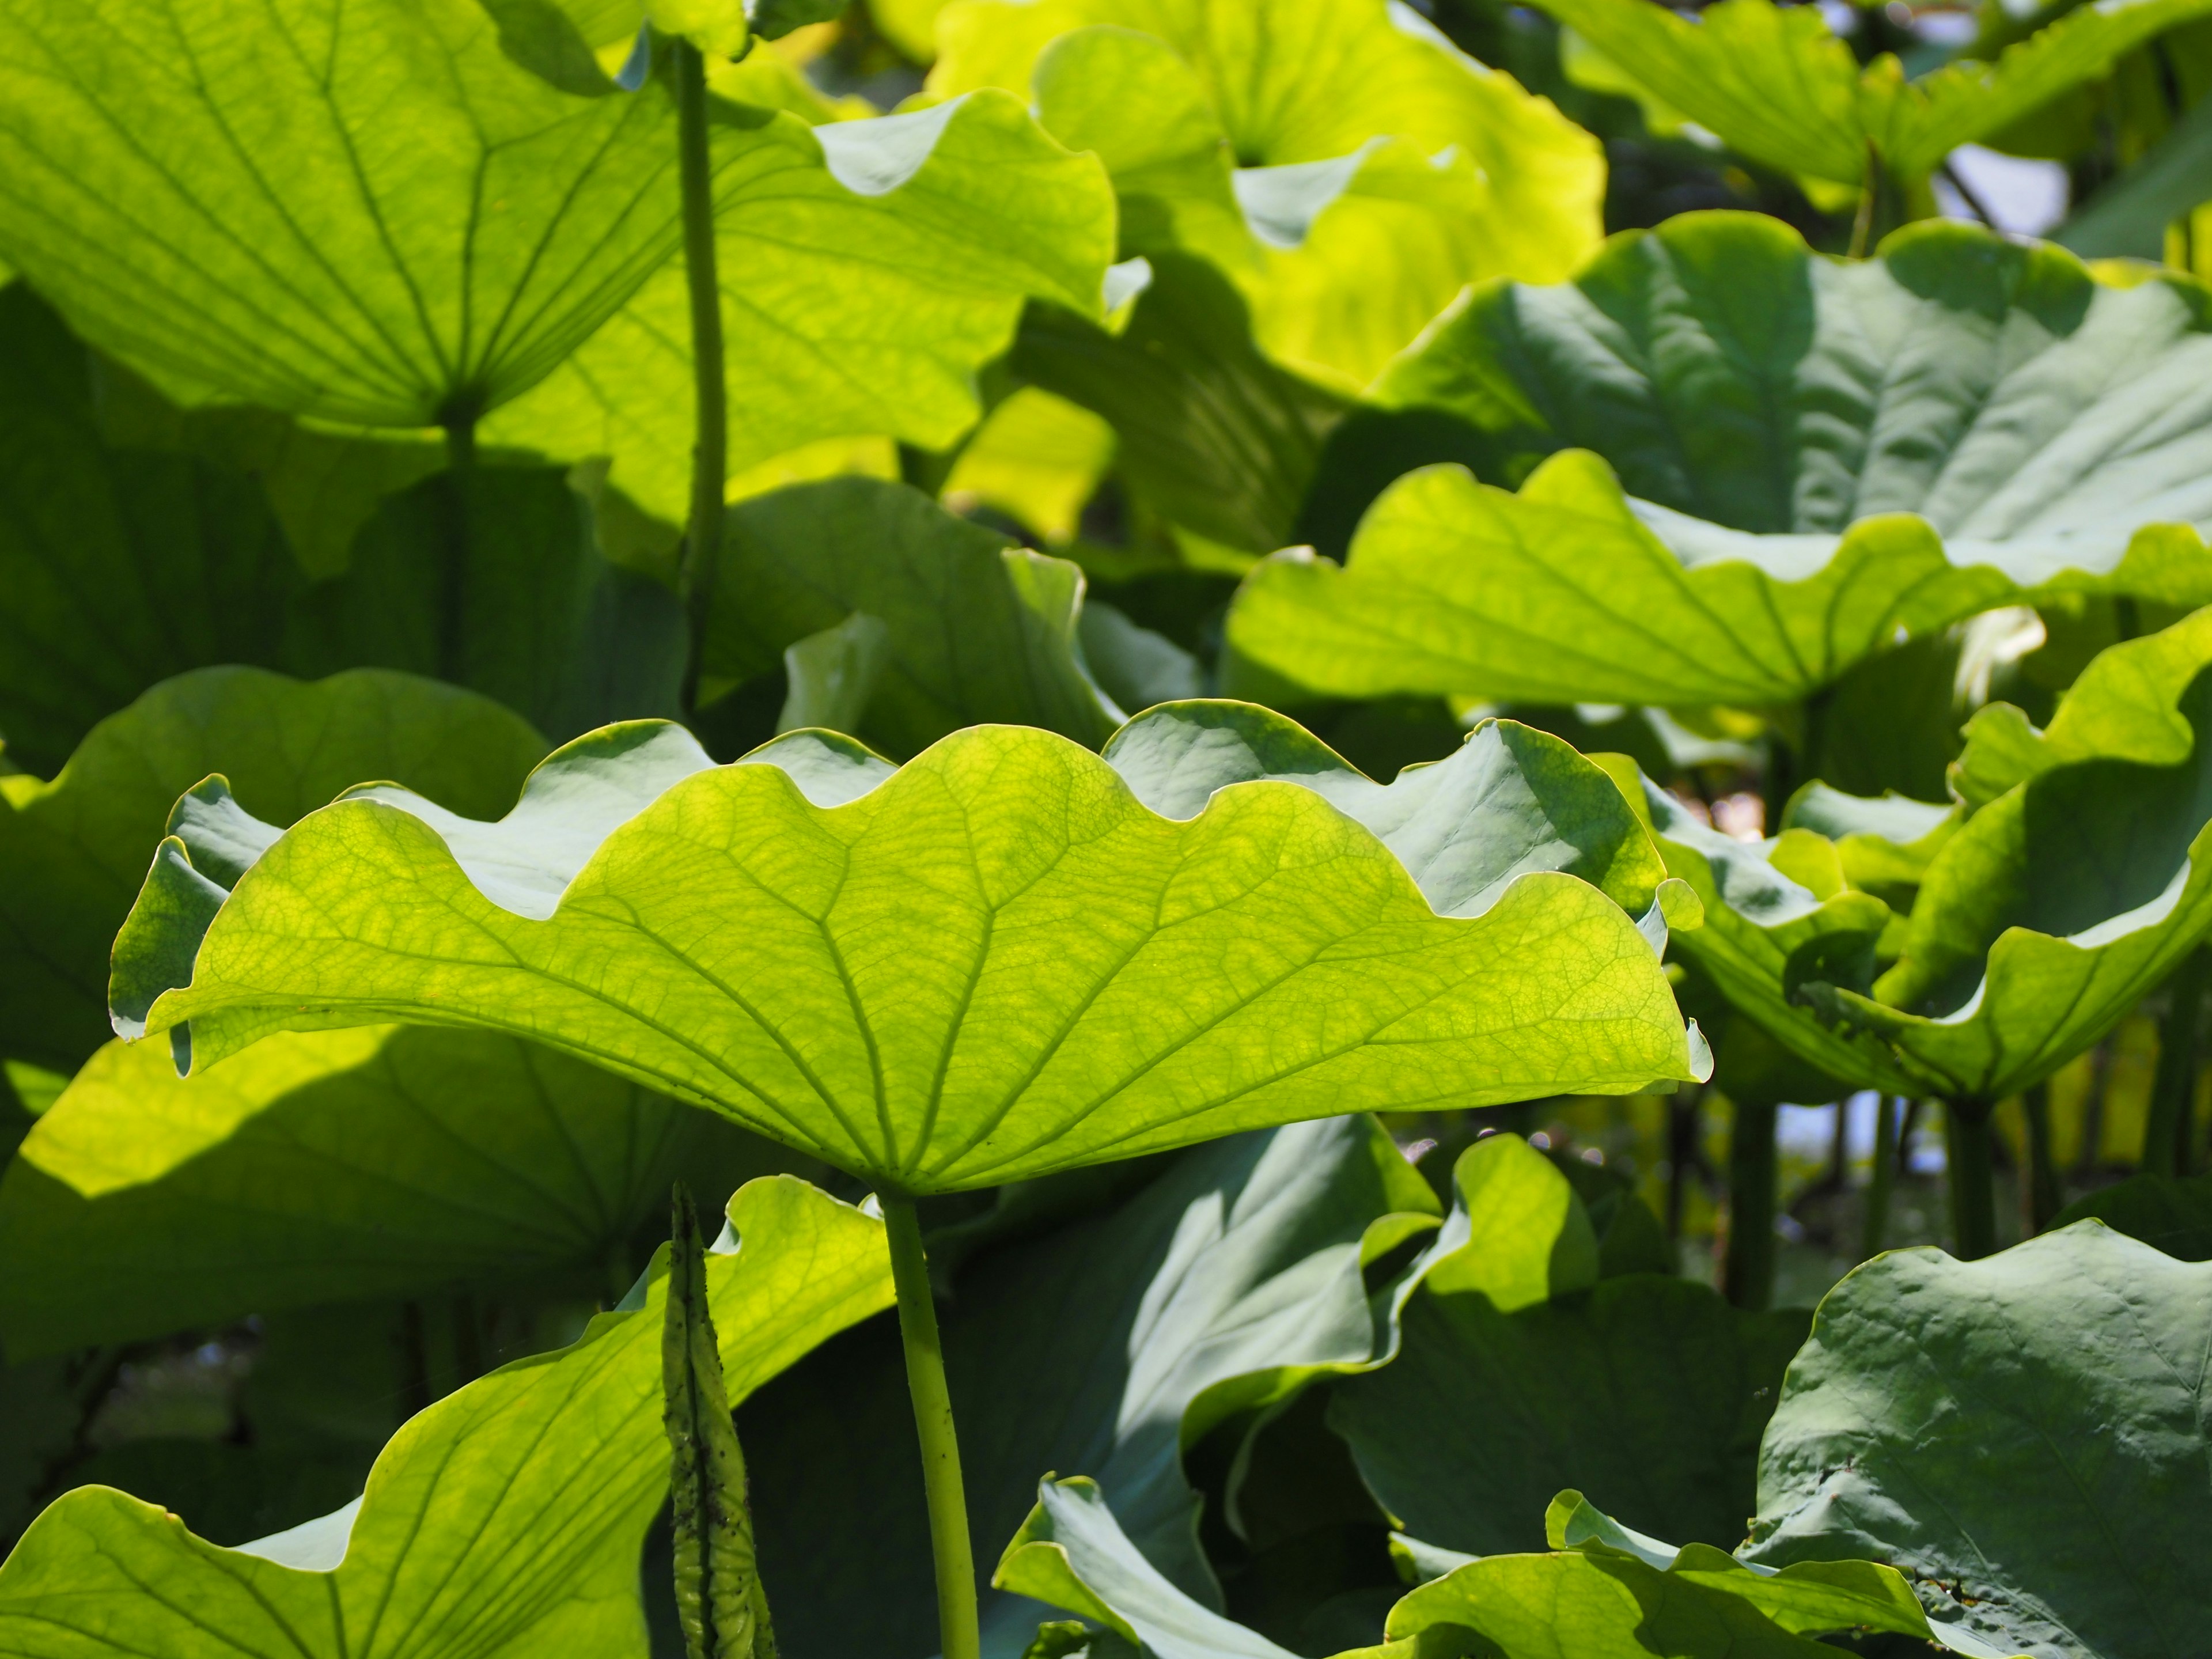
(799, 560)
(1789, 460)
(1772, 82)
(1231, 1278)
(869, 269)
(360, 210)
(998, 960)
(73, 851)
(1345, 163)
(507, 1518)
(387, 1161)
(1934, 1395)
(1648, 1392)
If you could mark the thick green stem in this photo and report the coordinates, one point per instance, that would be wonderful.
(710, 452)
(2041, 1197)
(461, 442)
(2173, 1088)
(1972, 1178)
(957, 1629)
(1873, 1227)
(1748, 1274)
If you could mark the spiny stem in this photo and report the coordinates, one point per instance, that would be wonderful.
(2173, 1087)
(2041, 1198)
(710, 453)
(958, 1629)
(1883, 1179)
(1748, 1275)
(1972, 1177)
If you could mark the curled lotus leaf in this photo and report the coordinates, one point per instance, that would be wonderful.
(1008, 957)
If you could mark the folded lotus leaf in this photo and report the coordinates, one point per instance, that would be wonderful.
(507, 1516)
(1771, 81)
(2024, 1435)
(1008, 957)
(1791, 460)
(360, 210)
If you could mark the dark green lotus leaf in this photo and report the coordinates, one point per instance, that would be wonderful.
(492, 578)
(2024, 1435)
(507, 1516)
(335, 1166)
(74, 850)
(992, 963)
(118, 568)
(1111, 1344)
(223, 198)
(869, 270)
(1517, 1375)
(1792, 459)
(801, 560)
(2171, 1214)
(1774, 83)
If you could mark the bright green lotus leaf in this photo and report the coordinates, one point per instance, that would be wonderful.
(1112, 1344)
(506, 1517)
(247, 224)
(334, 1166)
(1038, 458)
(1519, 1371)
(1343, 258)
(2026, 1435)
(1884, 844)
(116, 567)
(1607, 1591)
(2172, 1214)
(992, 963)
(1772, 82)
(869, 269)
(492, 578)
(73, 851)
(1792, 459)
(798, 561)
(2046, 916)
(1777, 916)
(1210, 433)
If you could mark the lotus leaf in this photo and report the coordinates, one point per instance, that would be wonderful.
(778, 938)
(359, 209)
(2172, 1214)
(1650, 1391)
(1771, 81)
(1793, 458)
(2050, 1511)
(74, 850)
(1111, 1345)
(508, 1516)
(869, 269)
(335, 1166)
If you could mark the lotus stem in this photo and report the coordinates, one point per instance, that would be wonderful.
(710, 453)
(1972, 1178)
(1873, 1227)
(1747, 1273)
(2173, 1087)
(2041, 1197)
(958, 1631)
(461, 442)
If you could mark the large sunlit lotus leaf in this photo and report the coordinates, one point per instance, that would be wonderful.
(73, 851)
(2026, 1434)
(1772, 82)
(1109, 1344)
(1289, 144)
(507, 1518)
(365, 211)
(327, 1166)
(869, 269)
(1210, 432)
(799, 560)
(1507, 1384)
(1766, 933)
(994, 961)
(116, 567)
(1791, 459)
(2048, 914)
